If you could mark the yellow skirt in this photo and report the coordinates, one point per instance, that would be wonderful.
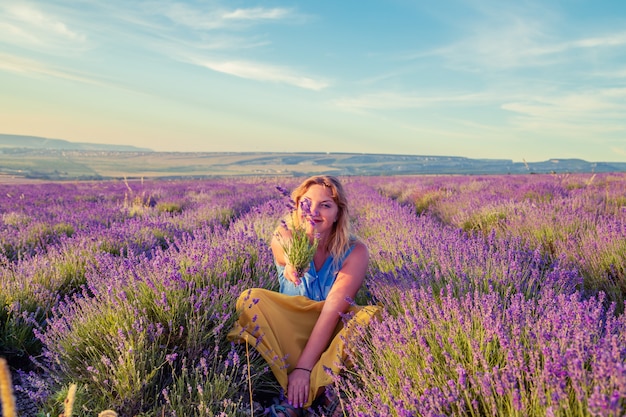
(279, 325)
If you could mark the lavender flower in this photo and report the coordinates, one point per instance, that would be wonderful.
(300, 247)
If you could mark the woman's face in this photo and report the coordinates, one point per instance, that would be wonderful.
(324, 210)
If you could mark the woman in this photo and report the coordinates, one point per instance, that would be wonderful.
(300, 331)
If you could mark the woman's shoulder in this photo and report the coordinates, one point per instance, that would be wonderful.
(358, 249)
(357, 242)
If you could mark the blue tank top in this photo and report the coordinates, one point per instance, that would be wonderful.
(315, 284)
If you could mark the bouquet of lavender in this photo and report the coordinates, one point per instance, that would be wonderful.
(300, 248)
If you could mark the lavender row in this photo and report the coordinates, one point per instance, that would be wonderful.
(36, 217)
(51, 233)
(577, 220)
(482, 323)
(479, 354)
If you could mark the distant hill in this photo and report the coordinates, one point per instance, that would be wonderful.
(36, 142)
(53, 159)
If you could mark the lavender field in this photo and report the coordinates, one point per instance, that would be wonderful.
(501, 295)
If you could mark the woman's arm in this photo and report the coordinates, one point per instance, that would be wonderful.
(349, 280)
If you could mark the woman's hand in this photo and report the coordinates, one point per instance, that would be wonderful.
(298, 386)
(292, 274)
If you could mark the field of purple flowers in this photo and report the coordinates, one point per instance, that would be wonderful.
(501, 295)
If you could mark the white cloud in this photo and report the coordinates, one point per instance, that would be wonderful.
(257, 13)
(218, 18)
(263, 72)
(617, 39)
(586, 116)
(36, 18)
(392, 100)
(29, 67)
(33, 25)
(520, 35)
(604, 103)
(37, 69)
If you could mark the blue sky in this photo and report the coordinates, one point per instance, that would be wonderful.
(520, 80)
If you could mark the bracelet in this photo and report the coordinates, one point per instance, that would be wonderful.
(303, 369)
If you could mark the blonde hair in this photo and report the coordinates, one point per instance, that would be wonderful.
(341, 236)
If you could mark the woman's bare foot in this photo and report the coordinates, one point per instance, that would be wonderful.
(284, 409)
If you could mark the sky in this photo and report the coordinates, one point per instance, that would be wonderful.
(501, 79)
